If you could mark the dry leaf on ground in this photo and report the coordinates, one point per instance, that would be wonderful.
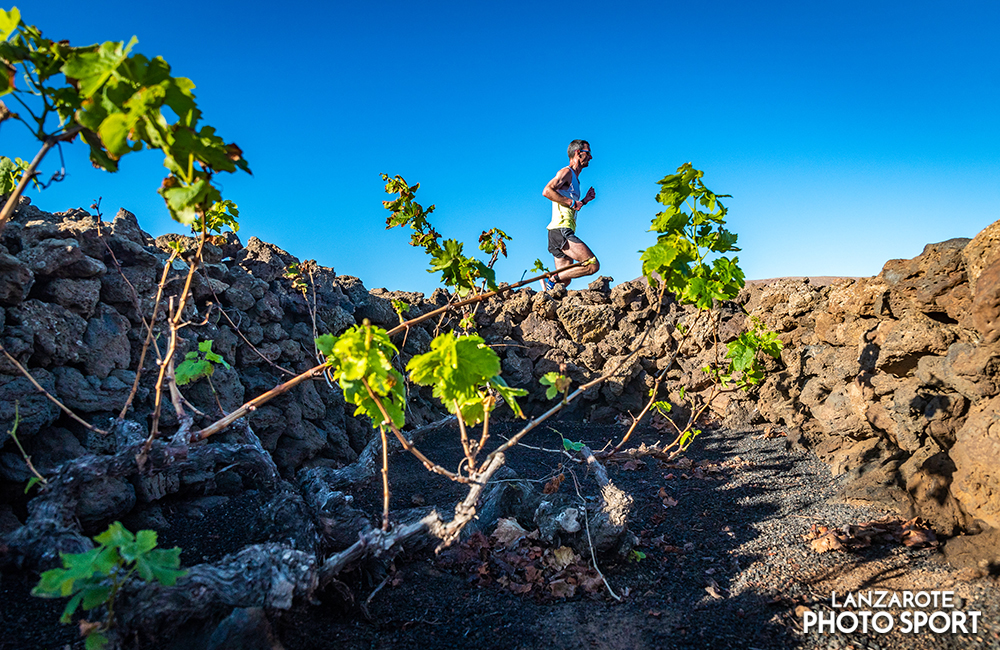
(553, 486)
(913, 533)
(562, 589)
(508, 532)
(562, 557)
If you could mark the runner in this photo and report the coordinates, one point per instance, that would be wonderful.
(564, 192)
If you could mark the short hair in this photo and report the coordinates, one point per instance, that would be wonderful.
(575, 146)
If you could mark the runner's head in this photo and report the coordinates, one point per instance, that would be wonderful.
(575, 146)
(579, 150)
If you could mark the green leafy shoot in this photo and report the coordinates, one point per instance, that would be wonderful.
(569, 445)
(361, 359)
(493, 242)
(636, 556)
(92, 579)
(687, 437)
(198, 364)
(691, 231)
(539, 267)
(462, 370)
(294, 273)
(118, 102)
(32, 482)
(745, 368)
(400, 307)
(222, 214)
(11, 172)
(555, 383)
(458, 271)
(468, 322)
(662, 407)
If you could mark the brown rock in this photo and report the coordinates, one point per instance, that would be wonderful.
(974, 552)
(934, 282)
(973, 371)
(843, 412)
(901, 343)
(601, 285)
(906, 409)
(986, 302)
(866, 297)
(927, 476)
(842, 330)
(586, 323)
(534, 329)
(546, 303)
(517, 306)
(879, 485)
(856, 454)
(976, 482)
(633, 295)
(980, 253)
(779, 303)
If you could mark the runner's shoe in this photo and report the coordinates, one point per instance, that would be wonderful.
(548, 285)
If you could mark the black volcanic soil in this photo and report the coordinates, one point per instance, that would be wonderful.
(726, 566)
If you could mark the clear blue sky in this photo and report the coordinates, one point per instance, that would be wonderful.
(848, 133)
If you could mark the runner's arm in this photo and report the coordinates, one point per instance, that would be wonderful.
(551, 191)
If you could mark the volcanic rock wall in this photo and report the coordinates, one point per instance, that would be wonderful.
(75, 293)
(892, 379)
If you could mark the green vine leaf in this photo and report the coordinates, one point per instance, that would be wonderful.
(91, 579)
(460, 368)
(539, 267)
(687, 237)
(556, 383)
(198, 364)
(9, 20)
(363, 355)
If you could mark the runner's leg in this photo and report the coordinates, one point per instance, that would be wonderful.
(576, 252)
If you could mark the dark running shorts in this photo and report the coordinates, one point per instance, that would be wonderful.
(559, 238)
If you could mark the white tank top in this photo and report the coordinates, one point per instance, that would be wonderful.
(563, 217)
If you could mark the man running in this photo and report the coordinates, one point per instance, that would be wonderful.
(564, 192)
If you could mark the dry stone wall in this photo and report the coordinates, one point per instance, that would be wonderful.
(891, 379)
(75, 294)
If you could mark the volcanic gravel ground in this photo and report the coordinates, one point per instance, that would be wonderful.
(726, 566)
(737, 529)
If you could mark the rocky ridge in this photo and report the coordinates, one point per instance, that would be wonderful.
(893, 380)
